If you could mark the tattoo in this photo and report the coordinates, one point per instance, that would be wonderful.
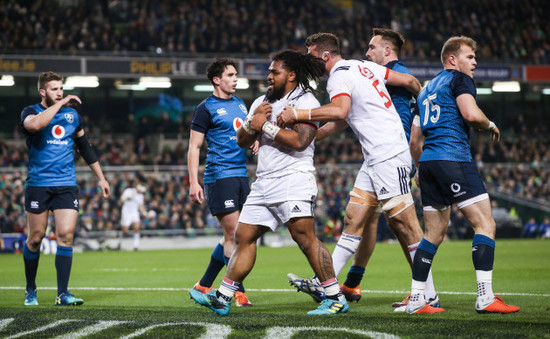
(325, 262)
(306, 133)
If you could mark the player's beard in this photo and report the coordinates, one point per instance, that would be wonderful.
(49, 101)
(275, 93)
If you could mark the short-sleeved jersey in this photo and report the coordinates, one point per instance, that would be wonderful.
(132, 200)
(276, 160)
(445, 130)
(401, 98)
(218, 119)
(372, 116)
(51, 158)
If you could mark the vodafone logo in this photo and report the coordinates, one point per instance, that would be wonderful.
(237, 122)
(58, 131)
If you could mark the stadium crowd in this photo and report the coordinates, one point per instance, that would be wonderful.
(508, 31)
(168, 199)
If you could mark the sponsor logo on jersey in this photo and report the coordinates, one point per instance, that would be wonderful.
(237, 122)
(243, 108)
(426, 261)
(229, 203)
(221, 111)
(455, 187)
(58, 131)
(366, 72)
(296, 209)
(383, 190)
(69, 117)
(34, 204)
(75, 202)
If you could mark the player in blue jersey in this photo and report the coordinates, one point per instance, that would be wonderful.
(448, 175)
(51, 128)
(217, 119)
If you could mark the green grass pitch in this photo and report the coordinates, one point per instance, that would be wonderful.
(145, 294)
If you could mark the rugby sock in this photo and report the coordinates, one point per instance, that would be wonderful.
(483, 256)
(30, 258)
(423, 260)
(429, 291)
(226, 261)
(136, 240)
(355, 275)
(227, 289)
(214, 267)
(332, 289)
(345, 249)
(63, 263)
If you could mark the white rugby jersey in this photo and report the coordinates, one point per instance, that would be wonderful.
(132, 200)
(274, 159)
(372, 116)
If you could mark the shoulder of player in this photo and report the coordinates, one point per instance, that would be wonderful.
(306, 101)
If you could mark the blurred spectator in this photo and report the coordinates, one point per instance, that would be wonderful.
(530, 229)
(544, 228)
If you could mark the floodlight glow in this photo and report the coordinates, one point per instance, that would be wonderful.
(155, 82)
(81, 81)
(506, 86)
(546, 91)
(131, 87)
(484, 91)
(242, 83)
(7, 80)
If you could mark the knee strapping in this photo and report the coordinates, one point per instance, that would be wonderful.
(358, 196)
(397, 204)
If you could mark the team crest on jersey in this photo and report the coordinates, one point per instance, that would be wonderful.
(58, 131)
(366, 72)
(237, 122)
(243, 108)
(221, 111)
(69, 117)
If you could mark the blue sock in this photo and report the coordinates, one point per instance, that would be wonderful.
(30, 258)
(423, 260)
(214, 267)
(63, 263)
(483, 252)
(354, 277)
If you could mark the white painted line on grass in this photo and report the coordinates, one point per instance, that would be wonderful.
(288, 332)
(212, 330)
(40, 329)
(88, 330)
(170, 289)
(5, 322)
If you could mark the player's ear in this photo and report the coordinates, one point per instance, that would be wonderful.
(42, 92)
(292, 76)
(216, 80)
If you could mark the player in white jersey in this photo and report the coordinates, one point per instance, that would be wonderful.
(133, 205)
(285, 189)
(359, 97)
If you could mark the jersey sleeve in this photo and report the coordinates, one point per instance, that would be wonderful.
(309, 101)
(202, 119)
(25, 113)
(462, 84)
(337, 84)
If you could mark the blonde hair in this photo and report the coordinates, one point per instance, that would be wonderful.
(453, 44)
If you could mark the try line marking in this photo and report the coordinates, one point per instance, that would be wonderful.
(170, 289)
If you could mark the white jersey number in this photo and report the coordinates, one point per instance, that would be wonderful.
(430, 106)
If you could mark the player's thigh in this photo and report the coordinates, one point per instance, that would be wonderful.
(479, 215)
(248, 234)
(228, 222)
(65, 222)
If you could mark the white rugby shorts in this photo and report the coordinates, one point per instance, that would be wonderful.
(128, 218)
(388, 178)
(277, 200)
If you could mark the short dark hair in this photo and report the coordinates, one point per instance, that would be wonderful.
(396, 39)
(325, 42)
(218, 66)
(306, 66)
(46, 77)
(453, 44)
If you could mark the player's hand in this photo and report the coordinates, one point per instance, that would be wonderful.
(105, 189)
(70, 101)
(196, 193)
(495, 135)
(261, 114)
(287, 117)
(255, 147)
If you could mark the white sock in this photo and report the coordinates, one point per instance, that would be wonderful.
(429, 291)
(345, 249)
(136, 240)
(417, 292)
(485, 285)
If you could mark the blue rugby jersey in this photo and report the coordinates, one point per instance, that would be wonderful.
(51, 158)
(446, 132)
(401, 98)
(218, 119)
